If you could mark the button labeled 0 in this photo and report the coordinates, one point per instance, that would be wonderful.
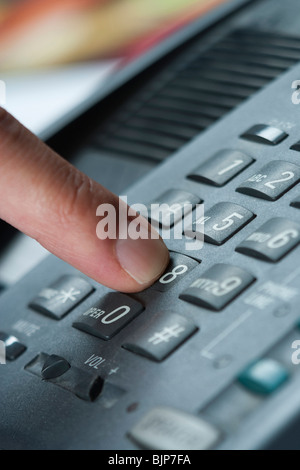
(107, 317)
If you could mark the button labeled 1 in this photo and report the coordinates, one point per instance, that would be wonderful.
(221, 168)
(178, 267)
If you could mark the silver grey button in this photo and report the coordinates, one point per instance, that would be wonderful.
(166, 428)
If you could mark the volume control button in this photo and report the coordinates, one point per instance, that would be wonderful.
(54, 366)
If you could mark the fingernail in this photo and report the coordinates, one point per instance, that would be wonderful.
(143, 259)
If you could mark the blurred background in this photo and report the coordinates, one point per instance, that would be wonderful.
(54, 53)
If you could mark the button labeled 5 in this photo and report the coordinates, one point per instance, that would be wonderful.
(221, 222)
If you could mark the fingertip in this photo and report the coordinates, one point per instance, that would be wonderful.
(144, 260)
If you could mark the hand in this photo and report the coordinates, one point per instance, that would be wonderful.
(44, 196)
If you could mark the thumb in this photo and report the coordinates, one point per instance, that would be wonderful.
(44, 196)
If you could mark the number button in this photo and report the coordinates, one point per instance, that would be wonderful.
(272, 181)
(221, 168)
(218, 286)
(272, 241)
(171, 207)
(179, 266)
(107, 317)
(220, 223)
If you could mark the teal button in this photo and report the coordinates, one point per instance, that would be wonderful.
(264, 376)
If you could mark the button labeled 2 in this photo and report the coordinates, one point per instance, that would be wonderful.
(271, 181)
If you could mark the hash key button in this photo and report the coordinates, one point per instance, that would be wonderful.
(218, 286)
(162, 337)
(62, 296)
(272, 181)
(108, 316)
(272, 241)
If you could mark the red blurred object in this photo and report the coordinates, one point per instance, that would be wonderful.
(29, 11)
(150, 40)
